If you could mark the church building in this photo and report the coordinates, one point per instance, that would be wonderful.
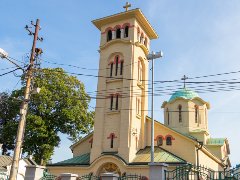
(121, 139)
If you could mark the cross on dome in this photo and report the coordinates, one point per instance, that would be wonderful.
(128, 5)
(184, 81)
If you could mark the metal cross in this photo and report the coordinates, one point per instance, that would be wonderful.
(184, 80)
(128, 5)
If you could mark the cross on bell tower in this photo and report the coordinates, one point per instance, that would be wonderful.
(184, 81)
(128, 5)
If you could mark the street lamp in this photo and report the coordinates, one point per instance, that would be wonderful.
(4, 55)
(151, 57)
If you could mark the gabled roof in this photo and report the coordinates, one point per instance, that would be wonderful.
(216, 141)
(83, 159)
(5, 160)
(160, 155)
(81, 140)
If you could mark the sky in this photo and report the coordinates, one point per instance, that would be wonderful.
(198, 38)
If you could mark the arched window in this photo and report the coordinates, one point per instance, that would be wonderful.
(180, 113)
(138, 34)
(118, 33)
(196, 114)
(169, 141)
(109, 35)
(138, 105)
(111, 69)
(111, 102)
(145, 42)
(140, 71)
(121, 68)
(116, 70)
(141, 38)
(168, 118)
(111, 137)
(126, 29)
(160, 141)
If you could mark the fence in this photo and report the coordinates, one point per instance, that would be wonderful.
(3, 176)
(192, 172)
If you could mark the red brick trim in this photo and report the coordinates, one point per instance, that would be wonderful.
(159, 137)
(111, 135)
(169, 136)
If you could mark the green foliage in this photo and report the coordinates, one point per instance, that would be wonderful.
(60, 107)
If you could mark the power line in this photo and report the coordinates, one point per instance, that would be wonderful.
(9, 72)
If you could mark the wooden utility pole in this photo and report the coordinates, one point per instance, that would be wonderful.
(24, 107)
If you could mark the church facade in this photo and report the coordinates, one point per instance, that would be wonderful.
(121, 139)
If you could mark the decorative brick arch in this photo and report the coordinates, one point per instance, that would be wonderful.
(126, 24)
(112, 135)
(169, 135)
(117, 27)
(107, 29)
(159, 137)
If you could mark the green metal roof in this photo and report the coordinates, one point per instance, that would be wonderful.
(183, 93)
(160, 155)
(83, 159)
(216, 141)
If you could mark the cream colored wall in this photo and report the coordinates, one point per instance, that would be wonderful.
(201, 136)
(122, 122)
(96, 166)
(208, 162)
(188, 123)
(181, 146)
(218, 150)
(83, 147)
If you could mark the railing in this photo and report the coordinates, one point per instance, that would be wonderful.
(192, 172)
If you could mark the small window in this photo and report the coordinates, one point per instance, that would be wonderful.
(169, 141)
(116, 70)
(116, 107)
(109, 35)
(180, 113)
(141, 38)
(111, 102)
(160, 141)
(196, 114)
(111, 69)
(118, 33)
(121, 68)
(112, 137)
(145, 42)
(126, 29)
(168, 118)
(138, 106)
(140, 71)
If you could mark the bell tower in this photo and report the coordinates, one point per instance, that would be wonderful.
(122, 102)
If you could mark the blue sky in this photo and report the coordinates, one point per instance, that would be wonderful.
(198, 38)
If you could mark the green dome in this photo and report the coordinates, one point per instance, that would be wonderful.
(183, 93)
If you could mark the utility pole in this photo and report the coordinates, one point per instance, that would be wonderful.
(24, 106)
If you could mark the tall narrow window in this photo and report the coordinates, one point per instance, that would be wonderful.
(111, 102)
(168, 118)
(116, 107)
(180, 113)
(118, 33)
(116, 70)
(109, 35)
(111, 69)
(112, 137)
(141, 38)
(145, 42)
(169, 141)
(160, 141)
(126, 31)
(196, 114)
(121, 68)
(139, 71)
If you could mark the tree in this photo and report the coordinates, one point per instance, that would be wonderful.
(60, 107)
